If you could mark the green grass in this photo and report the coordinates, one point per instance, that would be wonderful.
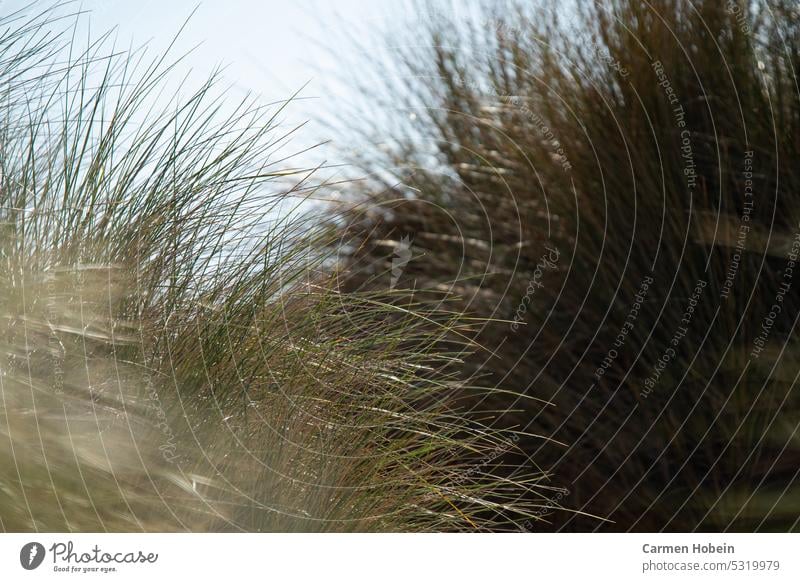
(175, 350)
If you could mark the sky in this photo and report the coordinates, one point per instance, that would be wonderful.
(270, 48)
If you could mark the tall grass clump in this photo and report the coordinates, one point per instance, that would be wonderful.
(175, 353)
(613, 188)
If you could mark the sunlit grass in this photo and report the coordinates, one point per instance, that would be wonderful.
(175, 352)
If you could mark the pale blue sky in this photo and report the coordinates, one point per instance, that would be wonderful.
(267, 45)
(270, 48)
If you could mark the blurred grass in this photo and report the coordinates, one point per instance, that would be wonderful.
(518, 127)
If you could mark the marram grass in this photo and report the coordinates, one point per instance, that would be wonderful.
(613, 188)
(175, 353)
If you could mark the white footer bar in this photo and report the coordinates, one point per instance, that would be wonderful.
(431, 557)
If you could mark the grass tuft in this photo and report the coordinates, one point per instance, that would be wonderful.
(175, 351)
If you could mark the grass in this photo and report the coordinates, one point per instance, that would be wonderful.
(175, 349)
(611, 188)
